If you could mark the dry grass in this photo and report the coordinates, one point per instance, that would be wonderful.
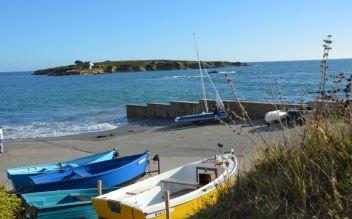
(310, 176)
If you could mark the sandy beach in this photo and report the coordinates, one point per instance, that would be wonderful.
(175, 144)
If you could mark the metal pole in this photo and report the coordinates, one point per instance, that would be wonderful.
(201, 75)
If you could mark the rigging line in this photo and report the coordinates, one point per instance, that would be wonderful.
(218, 98)
(201, 75)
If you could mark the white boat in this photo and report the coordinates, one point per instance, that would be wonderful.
(190, 187)
(275, 116)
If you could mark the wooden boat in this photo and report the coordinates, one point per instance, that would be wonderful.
(19, 176)
(61, 204)
(275, 116)
(190, 186)
(111, 173)
(203, 117)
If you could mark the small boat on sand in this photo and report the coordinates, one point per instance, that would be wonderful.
(275, 116)
(61, 204)
(201, 117)
(20, 176)
(189, 186)
(219, 107)
(111, 172)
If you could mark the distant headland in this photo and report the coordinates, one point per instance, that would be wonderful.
(83, 68)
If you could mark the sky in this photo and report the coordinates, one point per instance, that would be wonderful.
(46, 33)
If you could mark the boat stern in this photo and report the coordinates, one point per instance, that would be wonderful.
(113, 209)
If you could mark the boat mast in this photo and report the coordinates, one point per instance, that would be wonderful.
(201, 75)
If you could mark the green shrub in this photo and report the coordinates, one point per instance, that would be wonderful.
(310, 177)
(9, 204)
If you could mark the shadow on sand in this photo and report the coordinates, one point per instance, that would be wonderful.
(257, 126)
(169, 125)
(272, 128)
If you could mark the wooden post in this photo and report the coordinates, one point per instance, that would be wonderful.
(100, 187)
(158, 165)
(167, 203)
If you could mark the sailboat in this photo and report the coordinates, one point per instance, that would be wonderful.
(219, 111)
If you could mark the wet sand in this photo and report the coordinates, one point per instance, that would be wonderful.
(175, 144)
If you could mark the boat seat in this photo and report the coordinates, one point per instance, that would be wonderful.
(74, 198)
(81, 172)
(41, 170)
(180, 182)
(139, 190)
(81, 197)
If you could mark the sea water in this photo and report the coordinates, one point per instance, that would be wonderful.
(34, 106)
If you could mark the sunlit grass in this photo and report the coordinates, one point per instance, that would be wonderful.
(310, 176)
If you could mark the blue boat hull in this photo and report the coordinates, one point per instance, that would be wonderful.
(61, 204)
(20, 176)
(82, 177)
(201, 117)
(22, 182)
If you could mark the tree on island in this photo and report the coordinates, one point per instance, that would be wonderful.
(79, 62)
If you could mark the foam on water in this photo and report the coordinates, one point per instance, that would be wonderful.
(226, 72)
(178, 77)
(54, 129)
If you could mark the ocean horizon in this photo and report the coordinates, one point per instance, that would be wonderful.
(36, 106)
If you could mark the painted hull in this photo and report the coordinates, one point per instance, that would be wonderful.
(111, 173)
(183, 210)
(201, 117)
(61, 204)
(144, 200)
(20, 176)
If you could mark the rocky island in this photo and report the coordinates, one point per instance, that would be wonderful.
(82, 68)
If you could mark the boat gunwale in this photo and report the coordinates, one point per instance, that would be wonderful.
(8, 170)
(178, 200)
(65, 204)
(60, 205)
(197, 117)
(198, 193)
(92, 175)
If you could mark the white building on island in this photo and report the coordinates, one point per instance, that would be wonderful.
(91, 64)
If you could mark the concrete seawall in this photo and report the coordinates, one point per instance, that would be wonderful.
(255, 110)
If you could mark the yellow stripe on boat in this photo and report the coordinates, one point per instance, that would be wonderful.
(144, 199)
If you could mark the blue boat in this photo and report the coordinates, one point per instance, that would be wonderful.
(203, 117)
(111, 172)
(19, 176)
(62, 203)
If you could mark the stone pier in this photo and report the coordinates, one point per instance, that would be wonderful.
(254, 109)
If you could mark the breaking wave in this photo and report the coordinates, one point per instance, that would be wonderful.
(54, 129)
